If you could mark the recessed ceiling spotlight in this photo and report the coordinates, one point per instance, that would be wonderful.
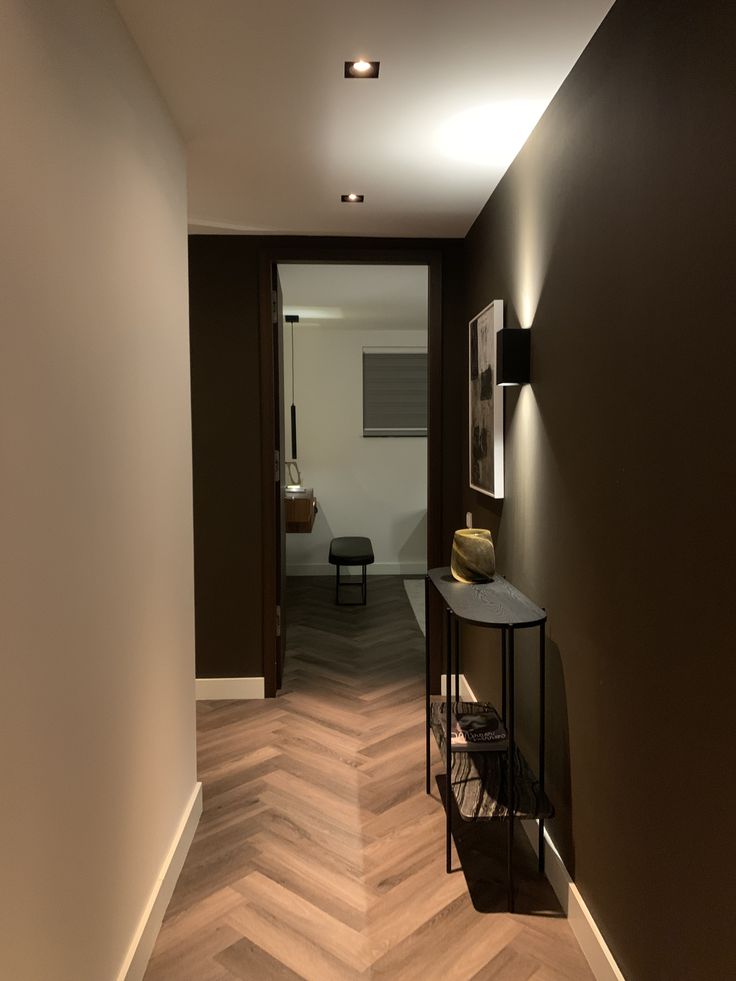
(362, 68)
(352, 198)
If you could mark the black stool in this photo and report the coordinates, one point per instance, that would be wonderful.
(351, 551)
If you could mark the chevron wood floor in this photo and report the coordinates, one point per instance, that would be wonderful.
(319, 855)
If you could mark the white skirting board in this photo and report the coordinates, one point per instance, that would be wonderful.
(215, 689)
(139, 952)
(581, 921)
(466, 692)
(377, 569)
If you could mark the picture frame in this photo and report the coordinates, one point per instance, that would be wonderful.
(485, 403)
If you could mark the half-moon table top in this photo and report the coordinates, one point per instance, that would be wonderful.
(486, 604)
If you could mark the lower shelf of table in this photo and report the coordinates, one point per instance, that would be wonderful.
(480, 780)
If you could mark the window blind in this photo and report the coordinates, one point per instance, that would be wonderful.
(394, 393)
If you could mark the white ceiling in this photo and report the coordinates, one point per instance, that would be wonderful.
(275, 133)
(356, 296)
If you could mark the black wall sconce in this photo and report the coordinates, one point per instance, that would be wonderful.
(513, 356)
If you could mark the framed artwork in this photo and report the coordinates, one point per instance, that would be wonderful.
(485, 403)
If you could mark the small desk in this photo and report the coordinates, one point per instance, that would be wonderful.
(493, 784)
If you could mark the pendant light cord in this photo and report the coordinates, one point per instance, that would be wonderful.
(292, 362)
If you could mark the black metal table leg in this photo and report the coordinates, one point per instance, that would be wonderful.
(427, 705)
(457, 661)
(542, 680)
(503, 675)
(510, 767)
(448, 743)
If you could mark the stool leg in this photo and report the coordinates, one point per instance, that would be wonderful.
(337, 584)
(365, 585)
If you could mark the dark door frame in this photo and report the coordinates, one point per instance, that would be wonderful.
(348, 254)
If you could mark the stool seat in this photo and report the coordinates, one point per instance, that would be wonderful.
(351, 550)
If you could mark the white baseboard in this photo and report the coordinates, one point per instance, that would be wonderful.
(582, 924)
(377, 569)
(214, 689)
(466, 692)
(139, 952)
(587, 934)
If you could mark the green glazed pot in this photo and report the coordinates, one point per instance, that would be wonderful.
(473, 555)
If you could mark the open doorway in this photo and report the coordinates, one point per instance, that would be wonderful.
(354, 407)
(357, 377)
(421, 545)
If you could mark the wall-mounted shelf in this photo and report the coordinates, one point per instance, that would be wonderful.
(301, 510)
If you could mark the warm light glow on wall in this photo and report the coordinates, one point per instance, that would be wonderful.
(537, 218)
(489, 135)
(531, 255)
(529, 446)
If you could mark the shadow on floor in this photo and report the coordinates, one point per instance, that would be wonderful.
(481, 847)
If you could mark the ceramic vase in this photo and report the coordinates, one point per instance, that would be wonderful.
(473, 555)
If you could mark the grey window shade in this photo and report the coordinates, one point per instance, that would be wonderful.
(394, 393)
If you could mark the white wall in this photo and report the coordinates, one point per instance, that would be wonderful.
(97, 756)
(365, 486)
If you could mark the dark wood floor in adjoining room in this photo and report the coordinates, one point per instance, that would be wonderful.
(318, 854)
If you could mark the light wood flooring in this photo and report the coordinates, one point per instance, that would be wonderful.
(319, 855)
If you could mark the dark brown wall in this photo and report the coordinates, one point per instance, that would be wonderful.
(612, 237)
(223, 302)
(224, 325)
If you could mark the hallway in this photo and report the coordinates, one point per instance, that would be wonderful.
(318, 854)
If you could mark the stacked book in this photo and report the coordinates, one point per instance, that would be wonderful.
(475, 727)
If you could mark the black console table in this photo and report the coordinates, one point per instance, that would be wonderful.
(492, 784)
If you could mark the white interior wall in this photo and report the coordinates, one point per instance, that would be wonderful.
(365, 486)
(97, 755)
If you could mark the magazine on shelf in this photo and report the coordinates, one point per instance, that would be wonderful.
(476, 728)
